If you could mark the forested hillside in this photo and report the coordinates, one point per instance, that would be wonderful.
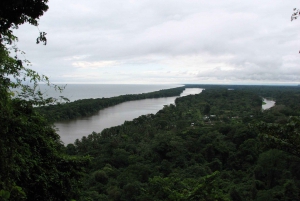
(214, 146)
(210, 146)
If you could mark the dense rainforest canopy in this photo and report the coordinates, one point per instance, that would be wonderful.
(217, 145)
(214, 146)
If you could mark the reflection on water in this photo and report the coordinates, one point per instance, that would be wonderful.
(113, 116)
(269, 104)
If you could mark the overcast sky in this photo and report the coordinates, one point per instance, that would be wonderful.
(166, 42)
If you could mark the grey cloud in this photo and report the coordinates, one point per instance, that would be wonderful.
(257, 36)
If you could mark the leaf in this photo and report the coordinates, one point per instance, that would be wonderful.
(4, 194)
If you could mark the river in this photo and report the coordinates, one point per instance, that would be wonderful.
(268, 105)
(71, 130)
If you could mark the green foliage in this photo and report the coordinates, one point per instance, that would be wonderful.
(87, 107)
(15, 13)
(4, 195)
(177, 154)
(282, 136)
(202, 148)
(33, 162)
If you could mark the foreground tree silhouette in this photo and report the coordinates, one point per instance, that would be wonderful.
(33, 163)
(296, 14)
(17, 12)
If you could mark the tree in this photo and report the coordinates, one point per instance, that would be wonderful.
(13, 72)
(17, 12)
(33, 163)
(284, 137)
(296, 14)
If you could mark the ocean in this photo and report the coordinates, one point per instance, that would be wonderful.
(84, 91)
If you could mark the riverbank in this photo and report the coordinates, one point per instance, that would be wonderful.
(70, 130)
(88, 107)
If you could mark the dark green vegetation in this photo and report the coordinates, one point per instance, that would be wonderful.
(33, 161)
(217, 145)
(214, 146)
(87, 107)
(33, 164)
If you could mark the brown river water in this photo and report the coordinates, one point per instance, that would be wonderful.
(71, 130)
